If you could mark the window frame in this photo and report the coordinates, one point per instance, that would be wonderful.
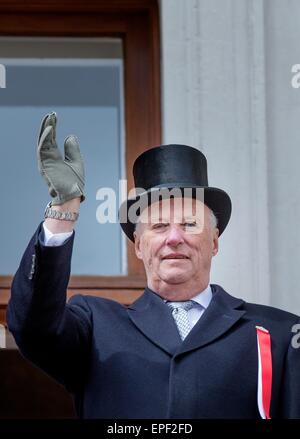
(136, 22)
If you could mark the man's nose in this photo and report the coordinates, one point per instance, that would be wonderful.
(175, 235)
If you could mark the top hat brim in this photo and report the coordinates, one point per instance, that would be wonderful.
(216, 199)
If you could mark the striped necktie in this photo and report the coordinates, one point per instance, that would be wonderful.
(180, 315)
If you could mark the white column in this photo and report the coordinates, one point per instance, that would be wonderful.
(283, 121)
(213, 98)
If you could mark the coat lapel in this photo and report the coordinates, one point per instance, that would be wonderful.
(151, 315)
(219, 317)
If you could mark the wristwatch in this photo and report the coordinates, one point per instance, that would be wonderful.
(55, 214)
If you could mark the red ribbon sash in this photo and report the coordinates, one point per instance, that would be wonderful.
(264, 372)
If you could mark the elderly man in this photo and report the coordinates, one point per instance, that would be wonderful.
(185, 348)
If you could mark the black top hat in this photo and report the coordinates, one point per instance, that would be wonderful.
(174, 166)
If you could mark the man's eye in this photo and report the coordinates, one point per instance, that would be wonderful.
(159, 225)
(189, 225)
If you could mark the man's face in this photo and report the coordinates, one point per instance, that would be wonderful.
(176, 242)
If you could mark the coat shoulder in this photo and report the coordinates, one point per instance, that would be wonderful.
(257, 311)
(95, 302)
(273, 313)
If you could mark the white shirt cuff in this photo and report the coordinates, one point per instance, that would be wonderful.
(55, 239)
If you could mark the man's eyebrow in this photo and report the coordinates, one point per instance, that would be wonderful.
(188, 218)
(160, 219)
(166, 220)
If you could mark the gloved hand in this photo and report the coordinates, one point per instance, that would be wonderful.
(64, 176)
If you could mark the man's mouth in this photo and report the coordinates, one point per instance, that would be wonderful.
(175, 256)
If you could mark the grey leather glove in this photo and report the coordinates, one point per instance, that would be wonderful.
(64, 176)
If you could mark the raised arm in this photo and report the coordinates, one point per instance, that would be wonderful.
(53, 335)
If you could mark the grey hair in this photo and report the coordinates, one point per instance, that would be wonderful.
(213, 220)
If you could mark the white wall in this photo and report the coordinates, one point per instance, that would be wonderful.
(220, 94)
(283, 128)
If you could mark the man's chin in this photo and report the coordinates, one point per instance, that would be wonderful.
(175, 278)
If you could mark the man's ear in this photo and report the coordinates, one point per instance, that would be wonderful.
(137, 242)
(215, 242)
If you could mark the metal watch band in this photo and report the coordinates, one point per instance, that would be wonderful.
(55, 214)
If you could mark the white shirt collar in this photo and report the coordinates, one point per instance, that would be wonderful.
(203, 298)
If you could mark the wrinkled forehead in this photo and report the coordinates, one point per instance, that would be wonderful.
(174, 210)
